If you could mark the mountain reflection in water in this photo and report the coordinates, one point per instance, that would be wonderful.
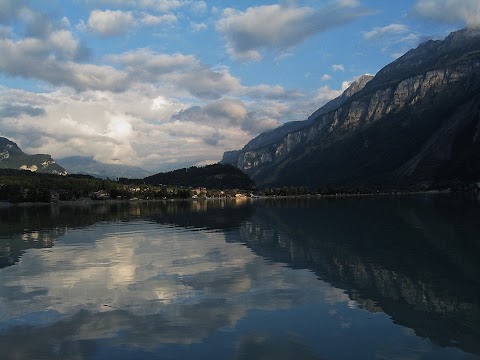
(304, 278)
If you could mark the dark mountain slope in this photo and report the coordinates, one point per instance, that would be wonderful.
(416, 122)
(271, 139)
(216, 176)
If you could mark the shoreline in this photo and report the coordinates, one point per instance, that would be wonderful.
(89, 202)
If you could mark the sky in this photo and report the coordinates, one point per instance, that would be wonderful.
(164, 84)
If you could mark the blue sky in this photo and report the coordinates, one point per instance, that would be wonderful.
(170, 83)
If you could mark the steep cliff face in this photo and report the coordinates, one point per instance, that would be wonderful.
(416, 120)
(270, 146)
(12, 157)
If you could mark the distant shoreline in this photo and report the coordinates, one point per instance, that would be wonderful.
(87, 201)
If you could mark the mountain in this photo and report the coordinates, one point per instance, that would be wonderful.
(416, 122)
(88, 166)
(276, 135)
(216, 176)
(12, 157)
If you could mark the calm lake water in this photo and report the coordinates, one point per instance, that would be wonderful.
(357, 278)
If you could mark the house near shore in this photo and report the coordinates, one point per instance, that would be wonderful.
(199, 192)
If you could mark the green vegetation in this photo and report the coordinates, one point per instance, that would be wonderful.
(216, 176)
(25, 186)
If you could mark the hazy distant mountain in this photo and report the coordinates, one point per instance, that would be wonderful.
(12, 157)
(416, 122)
(89, 166)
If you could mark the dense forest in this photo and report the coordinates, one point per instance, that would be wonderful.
(27, 186)
(216, 176)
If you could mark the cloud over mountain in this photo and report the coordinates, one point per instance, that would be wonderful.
(152, 82)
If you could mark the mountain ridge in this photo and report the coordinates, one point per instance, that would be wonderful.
(372, 136)
(215, 176)
(12, 157)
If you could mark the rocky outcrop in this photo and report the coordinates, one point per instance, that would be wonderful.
(12, 157)
(416, 96)
(332, 105)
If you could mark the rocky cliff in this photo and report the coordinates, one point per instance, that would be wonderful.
(263, 148)
(12, 157)
(416, 121)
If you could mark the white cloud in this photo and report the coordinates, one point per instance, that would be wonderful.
(198, 26)
(119, 127)
(5, 31)
(381, 32)
(32, 58)
(180, 72)
(225, 111)
(326, 77)
(198, 6)
(65, 23)
(338, 67)
(231, 113)
(326, 94)
(393, 40)
(395, 56)
(145, 63)
(153, 20)
(410, 39)
(282, 56)
(400, 46)
(63, 42)
(271, 92)
(205, 83)
(276, 27)
(9, 9)
(37, 24)
(259, 124)
(62, 125)
(349, 3)
(160, 6)
(110, 23)
(140, 126)
(450, 11)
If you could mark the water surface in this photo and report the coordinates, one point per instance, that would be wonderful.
(360, 278)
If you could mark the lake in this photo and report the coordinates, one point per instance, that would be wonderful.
(348, 278)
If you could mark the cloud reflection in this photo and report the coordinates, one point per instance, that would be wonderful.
(166, 277)
(153, 283)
